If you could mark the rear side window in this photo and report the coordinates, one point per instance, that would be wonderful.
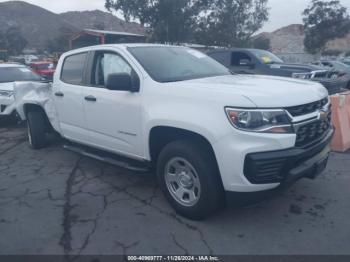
(73, 69)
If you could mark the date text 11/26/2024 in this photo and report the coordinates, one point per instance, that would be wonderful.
(173, 258)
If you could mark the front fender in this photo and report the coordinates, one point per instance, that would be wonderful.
(40, 94)
(205, 120)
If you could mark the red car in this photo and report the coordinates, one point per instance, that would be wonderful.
(44, 69)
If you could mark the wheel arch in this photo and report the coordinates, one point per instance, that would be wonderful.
(30, 107)
(160, 136)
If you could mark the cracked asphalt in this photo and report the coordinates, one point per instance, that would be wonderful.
(55, 202)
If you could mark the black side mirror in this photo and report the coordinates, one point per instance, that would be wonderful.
(246, 63)
(123, 82)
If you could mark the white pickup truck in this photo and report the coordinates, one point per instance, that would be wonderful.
(207, 132)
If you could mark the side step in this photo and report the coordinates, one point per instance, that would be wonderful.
(129, 164)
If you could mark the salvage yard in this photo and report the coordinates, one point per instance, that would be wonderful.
(55, 202)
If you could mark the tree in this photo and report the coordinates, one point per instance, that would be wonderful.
(231, 22)
(261, 42)
(15, 42)
(324, 21)
(211, 22)
(170, 21)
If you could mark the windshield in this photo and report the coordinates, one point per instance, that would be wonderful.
(12, 74)
(341, 66)
(171, 64)
(267, 57)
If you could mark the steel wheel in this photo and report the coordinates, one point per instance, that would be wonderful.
(182, 181)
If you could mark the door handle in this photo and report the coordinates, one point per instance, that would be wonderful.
(59, 94)
(90, 98)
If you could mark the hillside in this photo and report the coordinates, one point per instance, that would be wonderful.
(39, 25)
(290, 39)
(101, 20)
(36, 24)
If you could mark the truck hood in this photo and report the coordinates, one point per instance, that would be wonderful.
(296, 68)
(7, 86)
(262, 91)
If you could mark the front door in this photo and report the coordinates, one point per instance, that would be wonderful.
(68, 97)
(113, 118)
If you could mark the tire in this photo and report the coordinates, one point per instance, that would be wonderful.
(197, 193)
(36, 129)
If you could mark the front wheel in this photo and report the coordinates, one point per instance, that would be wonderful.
(36, 129)
(189, 177)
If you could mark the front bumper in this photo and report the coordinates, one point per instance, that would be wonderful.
(238, 153)
(284, 166)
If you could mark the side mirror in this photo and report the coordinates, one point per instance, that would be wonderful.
(123, 82)
(246, 63)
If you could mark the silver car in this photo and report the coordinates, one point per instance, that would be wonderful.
(9, 74)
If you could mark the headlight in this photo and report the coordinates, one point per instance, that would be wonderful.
(6, 93)
(262, 121)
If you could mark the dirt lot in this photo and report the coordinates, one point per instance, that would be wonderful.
(56, 202)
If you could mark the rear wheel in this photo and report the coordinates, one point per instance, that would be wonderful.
(37, 127)
(189, 177)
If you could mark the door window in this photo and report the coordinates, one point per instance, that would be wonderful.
(73, 69)
(106, 64)
(240, 59)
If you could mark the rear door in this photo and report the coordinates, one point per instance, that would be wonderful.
(67, 90)
(113, 118)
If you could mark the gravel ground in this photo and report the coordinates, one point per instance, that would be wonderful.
(55, 202)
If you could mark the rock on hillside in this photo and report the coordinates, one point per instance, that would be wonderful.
(290, 39)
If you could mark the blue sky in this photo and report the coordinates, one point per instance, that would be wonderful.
(282, 12)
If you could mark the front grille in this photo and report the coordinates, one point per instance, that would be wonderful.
(321, 74)
(311, 133)
(307, 108)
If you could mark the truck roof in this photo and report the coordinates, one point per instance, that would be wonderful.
(124, 46)
(234, 49)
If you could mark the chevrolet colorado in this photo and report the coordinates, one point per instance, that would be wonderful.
(206, 131)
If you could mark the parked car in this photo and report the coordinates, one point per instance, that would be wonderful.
(346, 61)
(30, 59)
(261, 62)
(44, 69)
(341, 67)
(3, 56)
(9, 73)
(206, 131)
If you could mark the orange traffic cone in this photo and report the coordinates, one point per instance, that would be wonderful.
(341, 121)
